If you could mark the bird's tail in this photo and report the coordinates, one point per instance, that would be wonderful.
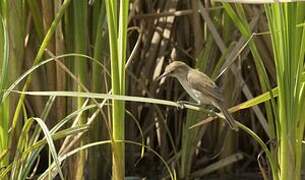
(229, 118)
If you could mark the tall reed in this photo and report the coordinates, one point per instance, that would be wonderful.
(80, 69)
(4, 106)
(117, 26)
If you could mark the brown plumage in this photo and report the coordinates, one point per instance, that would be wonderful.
(200, 87)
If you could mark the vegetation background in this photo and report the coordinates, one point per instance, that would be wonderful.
(62, 60)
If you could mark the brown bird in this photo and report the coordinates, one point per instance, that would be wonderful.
(200, 87)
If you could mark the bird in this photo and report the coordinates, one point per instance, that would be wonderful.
(200, 87)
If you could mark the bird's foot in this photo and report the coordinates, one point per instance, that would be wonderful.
(180, 105)
(211, 110)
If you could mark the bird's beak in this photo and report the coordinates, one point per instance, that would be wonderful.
(164, 75)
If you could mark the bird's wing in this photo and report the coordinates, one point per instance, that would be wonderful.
(202, 83)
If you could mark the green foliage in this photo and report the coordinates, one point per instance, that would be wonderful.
(77, 80)
(288, 48)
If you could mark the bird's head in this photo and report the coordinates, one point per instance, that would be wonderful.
(175, 69)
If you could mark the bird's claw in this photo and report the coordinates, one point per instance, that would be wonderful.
(210, 111)
(180, 105)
